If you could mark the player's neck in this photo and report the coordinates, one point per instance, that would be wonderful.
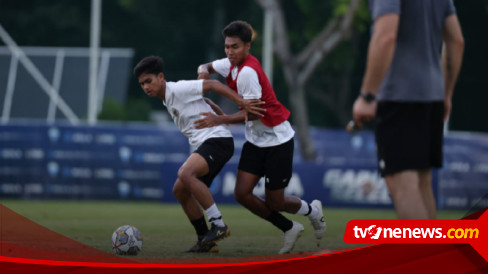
(163, 92)
(243, 60)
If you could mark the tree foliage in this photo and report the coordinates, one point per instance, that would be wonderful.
(299, 64)
(188, 32)
(132, 110)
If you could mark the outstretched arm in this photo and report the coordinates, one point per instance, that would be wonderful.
(214, 106)
(211, 120)
(248, 106)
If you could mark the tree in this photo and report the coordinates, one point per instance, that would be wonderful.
(299, 67)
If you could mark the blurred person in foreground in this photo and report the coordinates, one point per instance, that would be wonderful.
(214, 145)
(269, 149)
(414, 58)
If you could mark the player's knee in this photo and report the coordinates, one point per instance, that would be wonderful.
(240, 196)
(184, 174)
(178, 190)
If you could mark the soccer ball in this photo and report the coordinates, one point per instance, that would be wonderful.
(126, 240)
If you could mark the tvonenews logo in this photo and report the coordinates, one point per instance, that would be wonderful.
(465, 231)
(375, 232)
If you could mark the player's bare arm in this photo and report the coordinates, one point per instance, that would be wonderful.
(452, 55)
(380, 56)
(210, 120)
(248, 106)
(214, 106)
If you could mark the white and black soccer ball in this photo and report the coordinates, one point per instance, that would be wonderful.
(126, 240)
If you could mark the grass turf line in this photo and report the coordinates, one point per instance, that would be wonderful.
(167, 232)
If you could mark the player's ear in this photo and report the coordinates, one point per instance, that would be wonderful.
(247, 46)
(161, 76)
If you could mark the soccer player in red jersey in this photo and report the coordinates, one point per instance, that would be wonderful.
(268, 151)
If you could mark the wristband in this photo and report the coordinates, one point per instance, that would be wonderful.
(368, 97)
(202, 69)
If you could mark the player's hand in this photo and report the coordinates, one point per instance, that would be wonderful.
(363, 112)
(209, 120)
(252, 106)
(351, 127)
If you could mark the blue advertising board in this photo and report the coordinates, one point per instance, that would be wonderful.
(85, 162)
(140, 162)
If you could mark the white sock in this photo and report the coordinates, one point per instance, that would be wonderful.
(307, 210)
(314, 213)
(214, 216)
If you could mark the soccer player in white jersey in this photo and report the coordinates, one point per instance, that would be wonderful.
(214, 145)
(268, 151)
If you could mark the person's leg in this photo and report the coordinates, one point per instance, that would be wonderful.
(196, 175)
(250, 171)
(191, 208)
(409, 143)
(278, 172)
(194, 167)
(427, 192)
(279, 166)
(189, 204)
(243, 193)
(405, 191)
(276, 200)
(195, 214)
(436, 135)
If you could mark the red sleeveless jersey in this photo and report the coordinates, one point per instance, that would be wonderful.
(275, 113)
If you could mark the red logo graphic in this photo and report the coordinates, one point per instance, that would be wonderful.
(374, 232)
(473, 232)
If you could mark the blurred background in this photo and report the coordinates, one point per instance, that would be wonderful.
(75, 123)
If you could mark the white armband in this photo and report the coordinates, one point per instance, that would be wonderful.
(202, 69)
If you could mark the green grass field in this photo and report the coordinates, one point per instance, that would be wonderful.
(167, 232)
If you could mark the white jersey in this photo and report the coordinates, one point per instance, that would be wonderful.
(248, 87)
(184, 102)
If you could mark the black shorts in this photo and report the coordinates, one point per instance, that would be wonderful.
(274, 163)
(217, 152)
(409, 136)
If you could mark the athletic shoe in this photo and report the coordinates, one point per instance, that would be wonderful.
(290, 237)
(202, 248)
(318, 222)
(216, 233)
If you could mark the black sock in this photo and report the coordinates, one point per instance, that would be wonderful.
(201, 227)
(280, 221)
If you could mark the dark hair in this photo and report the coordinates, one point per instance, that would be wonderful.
(150, 65)
(240, 29)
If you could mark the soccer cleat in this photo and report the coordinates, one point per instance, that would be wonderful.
(318, 222)
(203, 248)
(290, 237)
(216, 233)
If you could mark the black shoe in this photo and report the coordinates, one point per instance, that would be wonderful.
(216, 233)
(203, 248)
